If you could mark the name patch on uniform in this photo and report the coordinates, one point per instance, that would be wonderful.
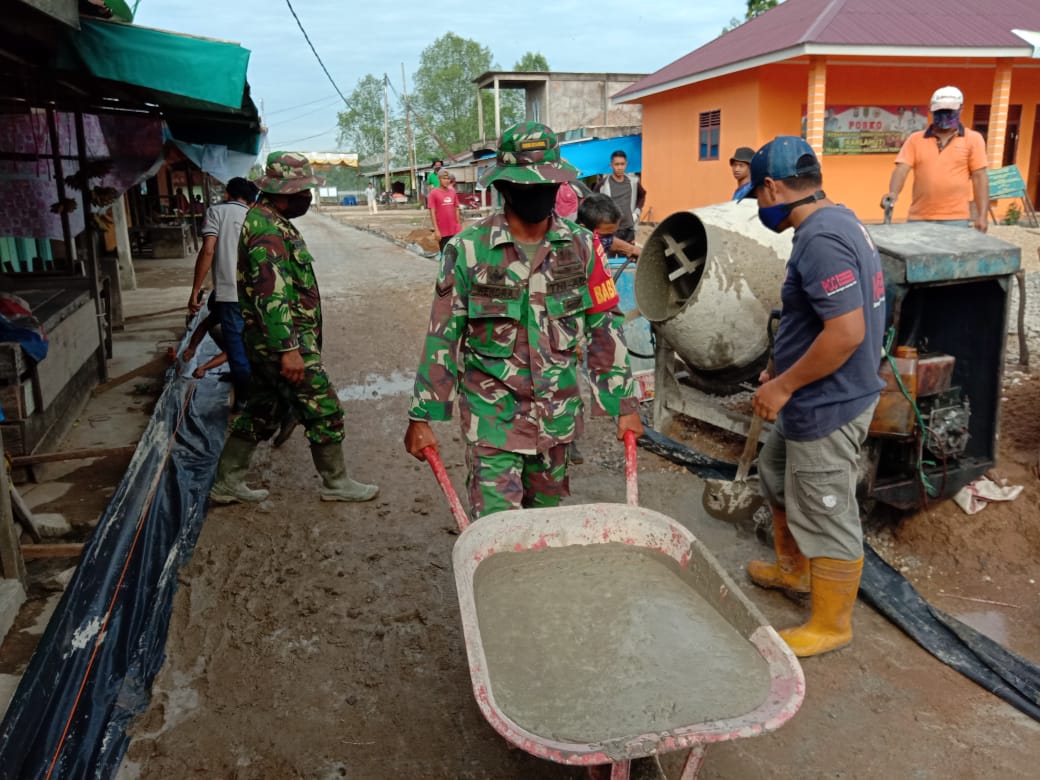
(566, 283)
(496, 291)
(568, 262)
(572, 304)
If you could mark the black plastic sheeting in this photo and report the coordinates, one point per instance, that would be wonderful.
(1014, 679)
(93, 669)
(702, 465)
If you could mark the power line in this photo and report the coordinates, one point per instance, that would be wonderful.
(316, 56)
(294, 117)
(307, 138)
(302, 105)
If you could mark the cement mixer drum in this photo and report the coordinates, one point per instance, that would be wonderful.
(707, 279)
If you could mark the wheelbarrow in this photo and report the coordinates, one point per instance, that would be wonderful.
(614, 690)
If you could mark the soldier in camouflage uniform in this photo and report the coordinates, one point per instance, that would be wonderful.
(512, 305)
(281, 307)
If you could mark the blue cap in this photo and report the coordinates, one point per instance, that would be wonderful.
(781, 158)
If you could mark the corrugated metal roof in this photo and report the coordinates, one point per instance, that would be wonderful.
(924, 24)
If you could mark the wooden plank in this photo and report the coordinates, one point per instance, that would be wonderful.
(23, 515)
(89, 452)
(12, 362)
(148, 369)
(34, 551)
(17, 400)
(11, 564)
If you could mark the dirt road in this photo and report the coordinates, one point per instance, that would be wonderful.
(313, 640)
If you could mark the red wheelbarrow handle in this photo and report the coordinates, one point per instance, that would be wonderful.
(631, 475)
(457, 510)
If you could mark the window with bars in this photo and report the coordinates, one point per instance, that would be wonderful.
(710, 125)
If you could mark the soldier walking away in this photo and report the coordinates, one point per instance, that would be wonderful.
(512, 304)
(281, 307)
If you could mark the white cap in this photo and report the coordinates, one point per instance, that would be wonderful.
(947, 98)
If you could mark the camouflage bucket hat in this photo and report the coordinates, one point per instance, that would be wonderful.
(287, 173)
(528, 153)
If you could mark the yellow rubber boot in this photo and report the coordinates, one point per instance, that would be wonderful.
(835, 584)
(791, 570)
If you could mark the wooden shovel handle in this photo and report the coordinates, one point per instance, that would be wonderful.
(750, 448)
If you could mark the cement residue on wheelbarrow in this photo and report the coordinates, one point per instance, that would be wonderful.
(591, 643)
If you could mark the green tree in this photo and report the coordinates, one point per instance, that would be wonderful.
(754, 8)
(361, 125)
(532, 62)
(513, 108)
(445, 95)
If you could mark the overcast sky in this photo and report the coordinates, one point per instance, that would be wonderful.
(355, 39)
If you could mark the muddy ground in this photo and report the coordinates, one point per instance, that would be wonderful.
(314, 640)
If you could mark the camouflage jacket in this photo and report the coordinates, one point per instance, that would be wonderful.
(505, 332)
(277, 290)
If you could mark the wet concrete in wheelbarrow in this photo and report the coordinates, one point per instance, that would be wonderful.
(588, 643)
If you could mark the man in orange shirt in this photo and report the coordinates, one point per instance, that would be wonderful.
(949, 165)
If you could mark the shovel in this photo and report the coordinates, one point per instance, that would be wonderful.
(738, 500)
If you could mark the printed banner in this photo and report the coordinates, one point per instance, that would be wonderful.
(869, 129)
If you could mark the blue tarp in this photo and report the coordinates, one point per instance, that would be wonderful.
(93, 669)
(592, 156)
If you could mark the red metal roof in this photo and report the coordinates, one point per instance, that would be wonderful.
(924, 24)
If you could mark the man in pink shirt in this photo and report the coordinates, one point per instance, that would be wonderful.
(444, 209)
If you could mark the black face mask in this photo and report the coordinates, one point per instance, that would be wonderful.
(299, 203)
(533, 203)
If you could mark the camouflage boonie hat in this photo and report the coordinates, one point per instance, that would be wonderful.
(528, 153)
(287, 173)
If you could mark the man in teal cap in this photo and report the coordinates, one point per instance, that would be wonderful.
(281, 308)
(512, 305)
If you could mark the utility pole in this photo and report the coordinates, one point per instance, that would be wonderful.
(386, 133)
(408, 128)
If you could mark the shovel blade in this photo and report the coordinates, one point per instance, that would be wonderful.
(732, 501)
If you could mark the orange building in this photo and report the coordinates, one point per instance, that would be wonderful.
(854, 77)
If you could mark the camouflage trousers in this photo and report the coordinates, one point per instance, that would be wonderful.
(498, 480)
(271, 397)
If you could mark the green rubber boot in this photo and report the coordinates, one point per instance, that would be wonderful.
(230, 485)
(328, 459)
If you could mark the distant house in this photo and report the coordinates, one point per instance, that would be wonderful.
(852, 76)
(577, 106)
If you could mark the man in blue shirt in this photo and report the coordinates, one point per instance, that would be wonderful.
(822, 394)
(740, 165)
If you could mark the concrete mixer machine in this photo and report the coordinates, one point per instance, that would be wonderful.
(709, 278)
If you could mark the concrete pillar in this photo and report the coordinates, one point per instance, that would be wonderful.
(816, 103)
(480, 113)
(998, 114)
(498, 111)
(127, 276)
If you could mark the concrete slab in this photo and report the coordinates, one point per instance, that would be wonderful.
(42, 619)
(8, 686)
(12, 596)
(51, 524)
(39, 494)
